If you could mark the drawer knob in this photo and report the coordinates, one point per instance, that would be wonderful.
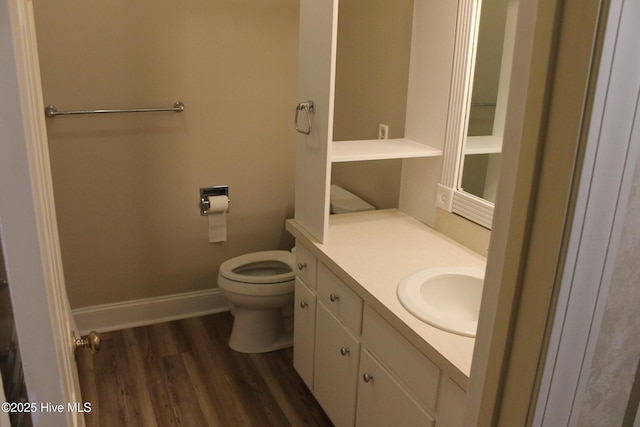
(334, 297)
(344, 351)
(302, 266)
(367, 377)
(304, 304)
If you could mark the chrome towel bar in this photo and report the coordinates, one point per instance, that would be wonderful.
(51, 111)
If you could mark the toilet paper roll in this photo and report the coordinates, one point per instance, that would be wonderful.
(218, 206)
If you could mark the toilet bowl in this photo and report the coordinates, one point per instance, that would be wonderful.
(259, 286)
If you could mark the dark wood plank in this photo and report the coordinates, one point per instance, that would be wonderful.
(211, 368)
(183, 373)
(181, 392)
(131, 368)
(209, 405)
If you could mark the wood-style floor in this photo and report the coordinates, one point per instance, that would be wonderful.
(183, 373)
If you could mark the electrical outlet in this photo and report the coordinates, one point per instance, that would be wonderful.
(444, 198)
(383, 131)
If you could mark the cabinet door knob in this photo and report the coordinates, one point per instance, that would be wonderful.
(344, 351)
(304, 304)
(302, 266)
(334, 297)
(367, 377)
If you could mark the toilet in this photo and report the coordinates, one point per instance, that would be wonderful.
(343, 201)
(259, 286)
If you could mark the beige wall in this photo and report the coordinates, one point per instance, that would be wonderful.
(463, 231)
(372, 67)
(376, 181)
(126, 186)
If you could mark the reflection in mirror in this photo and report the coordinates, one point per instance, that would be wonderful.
(372, 68)
(483, 143)
(486, 75)
(480, 176)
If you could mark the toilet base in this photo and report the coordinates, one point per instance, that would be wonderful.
(260, 331)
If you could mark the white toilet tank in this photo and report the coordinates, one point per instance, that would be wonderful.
(343, 201)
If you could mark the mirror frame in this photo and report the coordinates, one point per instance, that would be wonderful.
(449, 197)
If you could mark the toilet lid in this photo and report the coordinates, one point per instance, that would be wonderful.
(343, 201)
(260, 267)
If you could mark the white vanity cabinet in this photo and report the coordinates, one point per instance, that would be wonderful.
(383, 402)
(336, 367)
(398, 384)
(304, 316)
(451, 404)
(340, 299)
(304, 326)
(362, 371)
(338, 326)
(427, 100)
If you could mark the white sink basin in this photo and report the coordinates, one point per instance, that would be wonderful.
(447, 297)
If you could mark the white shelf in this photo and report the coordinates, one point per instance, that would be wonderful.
(380, 149)
(483, 144)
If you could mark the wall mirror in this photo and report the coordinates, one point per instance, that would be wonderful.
(372, 68)
(477, 110)
(483, 142)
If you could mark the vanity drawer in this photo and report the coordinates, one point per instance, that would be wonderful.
(340, 299)
(306, 265)
(407, 363)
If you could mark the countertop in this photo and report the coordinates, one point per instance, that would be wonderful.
(372, 251)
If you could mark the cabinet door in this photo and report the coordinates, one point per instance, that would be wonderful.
(336, 368)
(451, 404)
(304, 331)
(317, 50)
(382, 402)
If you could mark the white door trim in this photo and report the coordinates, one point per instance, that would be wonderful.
(28, 225)
(613, 147)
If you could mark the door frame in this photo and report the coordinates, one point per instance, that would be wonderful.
(29, 228)
(549, 125)
(612, 150)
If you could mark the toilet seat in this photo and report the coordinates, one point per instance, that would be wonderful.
(251, 268)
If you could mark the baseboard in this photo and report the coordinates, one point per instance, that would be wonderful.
(129, 314)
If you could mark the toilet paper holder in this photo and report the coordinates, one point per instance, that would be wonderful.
(205, 193)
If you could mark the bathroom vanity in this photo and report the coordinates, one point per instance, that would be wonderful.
(367, 360)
